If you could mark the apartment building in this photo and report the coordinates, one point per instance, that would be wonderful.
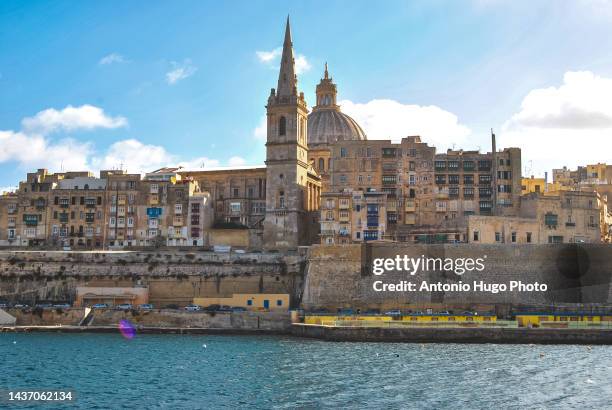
(428, 195)
(353, 217)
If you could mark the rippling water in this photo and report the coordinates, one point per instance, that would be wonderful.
(167, 371)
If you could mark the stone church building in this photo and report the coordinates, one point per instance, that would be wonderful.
(279, 202)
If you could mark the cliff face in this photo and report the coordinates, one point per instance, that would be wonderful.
(342, 276)
(171, 276)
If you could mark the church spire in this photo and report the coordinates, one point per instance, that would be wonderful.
(326, 73)
(287, 80)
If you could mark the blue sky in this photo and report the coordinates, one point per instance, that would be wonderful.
(152, 83)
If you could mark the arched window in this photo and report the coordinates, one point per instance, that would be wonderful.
(321, 164)
(328, 163)
(282, 126)
(86, 186)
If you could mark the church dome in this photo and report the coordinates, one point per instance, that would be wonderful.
(326, 126)
(326, 123)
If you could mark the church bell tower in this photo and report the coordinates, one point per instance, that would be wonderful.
(286, 157)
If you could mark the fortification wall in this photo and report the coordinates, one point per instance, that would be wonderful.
(158, 318)
(173, 277)
(342, 276)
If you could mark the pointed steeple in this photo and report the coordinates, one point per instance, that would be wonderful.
(326, 73)
(287, 80)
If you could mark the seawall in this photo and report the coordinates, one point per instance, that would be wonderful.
(454, 335)
(172, 277)
(158, 318)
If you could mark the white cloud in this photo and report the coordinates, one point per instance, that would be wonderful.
(261, 131)
(70, 119)
(134, 156)
(180, 71)
(31, 148)
(566, 125)
(389, 119)
(269, 56)
(583, 101)
(301, 64)
(236, 161)
(35, 151)
(272, 60)
(111, 58)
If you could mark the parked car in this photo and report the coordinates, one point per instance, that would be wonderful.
(4, 305)
(21, 306)
(394, 312)
(193, 308)
(44, 305)
(225, 308)
(238, 309)
(212, 308)
(345, 311)
(372, 312)
(444, 312)
(124, 306)
(100, 306)
(145, 306)
(62, 305)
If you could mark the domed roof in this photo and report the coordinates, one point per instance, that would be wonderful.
(326, 126)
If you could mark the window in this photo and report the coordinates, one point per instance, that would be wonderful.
(279, 302)
(411, 166)
(411, 180)
(235, 207)
(468, 179)
(343, 152)
(281, 199)
(440, 165)
(504, 174)
(282, 126)
(342, 179)
(484, 165)
(513, 236)
(484, 179)
(249, 302)
(389, 179)
(555, 239)
(321, 164)
(453, 179)
(550, 220)
(498, 237)
(476, 236)
(468, 192)
(154, 189)
(235, 192)
(528, 237)
(485, 192)
(440, 179)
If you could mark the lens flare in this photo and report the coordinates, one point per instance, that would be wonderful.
(127, 329)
